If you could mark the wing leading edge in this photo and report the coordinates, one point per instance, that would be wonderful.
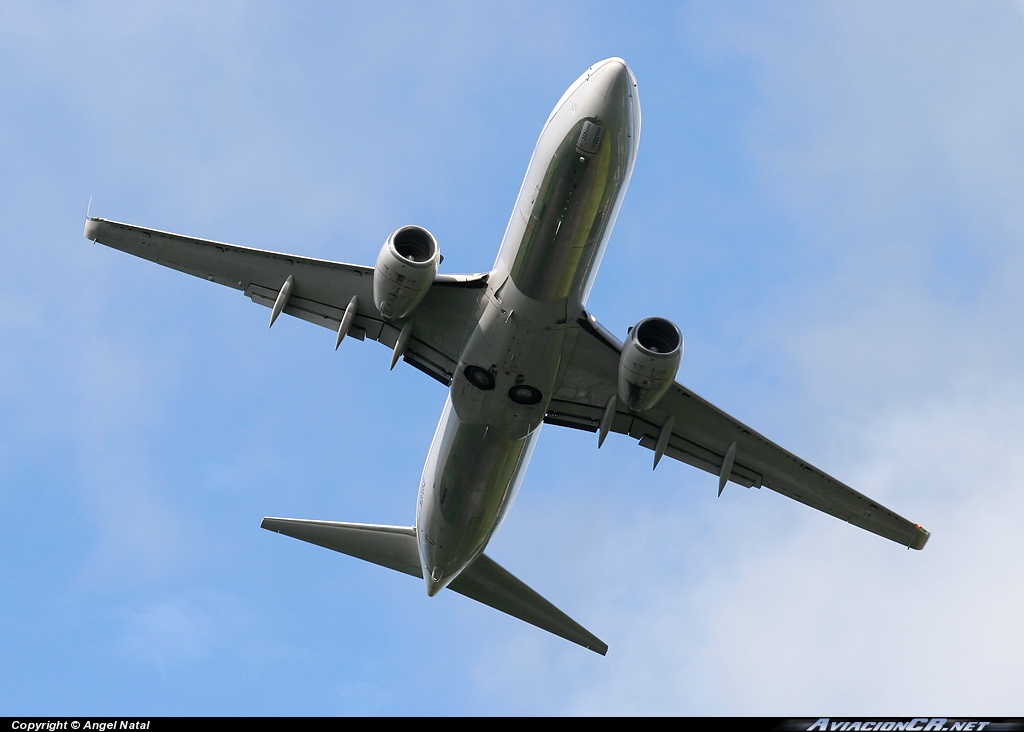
(707, 438)
(320, 293)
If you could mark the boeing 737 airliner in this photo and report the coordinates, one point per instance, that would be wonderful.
(517, 348)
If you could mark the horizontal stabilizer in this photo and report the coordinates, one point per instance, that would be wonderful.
(488, 582)
(484, 580)
(393, 547)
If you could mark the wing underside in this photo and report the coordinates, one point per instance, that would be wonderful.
(321, 291)
(703, 435)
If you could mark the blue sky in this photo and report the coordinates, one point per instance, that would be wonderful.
(826, 200)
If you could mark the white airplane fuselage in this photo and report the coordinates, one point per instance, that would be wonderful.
(509, 366)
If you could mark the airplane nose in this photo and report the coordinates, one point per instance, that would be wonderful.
(612, 79)
(610, 94)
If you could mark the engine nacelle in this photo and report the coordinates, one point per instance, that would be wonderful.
(649, 362)
(405, 270)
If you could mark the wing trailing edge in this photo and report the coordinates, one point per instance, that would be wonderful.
(484, 580)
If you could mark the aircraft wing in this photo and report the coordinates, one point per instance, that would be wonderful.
(320, 293)
(702, 435)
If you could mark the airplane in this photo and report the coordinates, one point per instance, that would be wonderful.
(517, 348)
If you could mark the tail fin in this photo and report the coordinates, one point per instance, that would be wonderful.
(484, 580)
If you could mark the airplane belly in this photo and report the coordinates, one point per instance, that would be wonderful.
(567, 217)
(470, 480)
(492, 418)
(508, 367)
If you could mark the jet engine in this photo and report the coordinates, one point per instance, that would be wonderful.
(405, 269)
(649, 362)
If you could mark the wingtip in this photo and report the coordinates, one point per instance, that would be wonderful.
(272, 523)
(91, 230)
(921, 539)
